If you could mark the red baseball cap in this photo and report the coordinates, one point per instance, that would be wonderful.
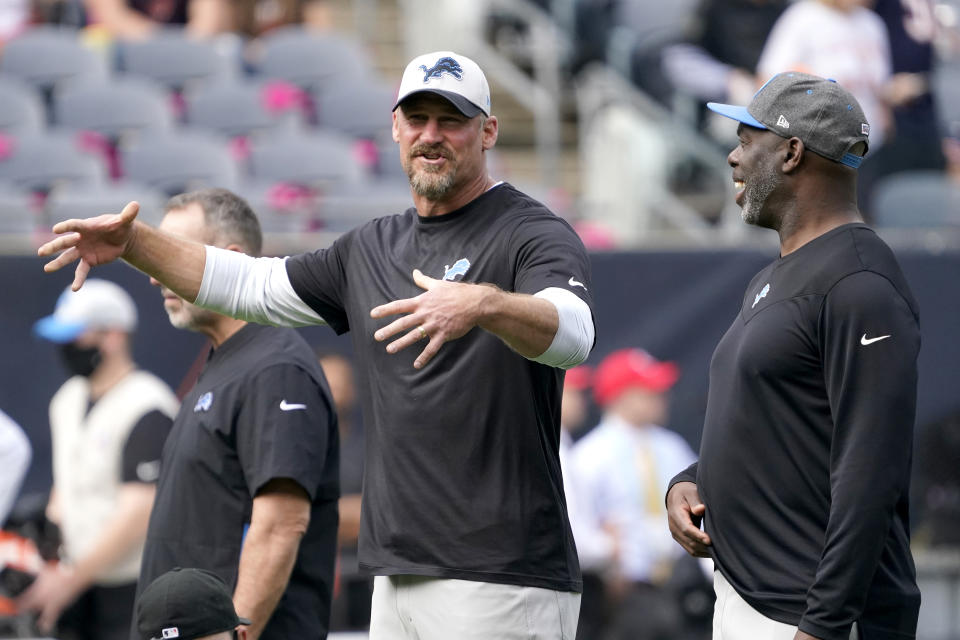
(627, 368)
(578, 378)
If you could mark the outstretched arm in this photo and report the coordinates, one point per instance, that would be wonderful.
(175, 262)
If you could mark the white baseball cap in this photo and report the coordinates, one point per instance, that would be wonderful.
(100, 304)
(451, 75)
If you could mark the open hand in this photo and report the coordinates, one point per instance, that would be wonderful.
(94, 241)
(445, 311)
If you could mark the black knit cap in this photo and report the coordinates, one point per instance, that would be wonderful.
(186, 604)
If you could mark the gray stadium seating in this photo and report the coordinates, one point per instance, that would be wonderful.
(916, 199)
(41, 161)
(236, 108)
(174, 60)
(46, 56)
(178, 161)
(113, 107)
(311, 60)
(360, 109)
(312, 158)
(88, 200)
(21, 110)
(16, 211)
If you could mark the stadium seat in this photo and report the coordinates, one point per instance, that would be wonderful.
(175, 60)
(88, 200)
(16, 211)
(358, 109)
(915, 199)
(311, 60)
(38, 162)
(46, 56)
(293, 208)
(114, 107)
(350, 205)
(21, 110)
(316, 159)
(238, 109)
(179, 161)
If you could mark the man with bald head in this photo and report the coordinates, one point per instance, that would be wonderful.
(802, 482)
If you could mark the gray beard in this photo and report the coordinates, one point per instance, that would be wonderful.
(430, 185)
(757, 191)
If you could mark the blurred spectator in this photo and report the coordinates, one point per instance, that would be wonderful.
(937, 483)
(15, 454)
(350, 610)
(137, 19)
(839, 39)
(718, 60)
(594, 611)
(623, 467)
(914, 139)
(108, 424)
(256, 17)
(15, 15)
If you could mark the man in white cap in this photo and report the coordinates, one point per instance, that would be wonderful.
(464, 523)
(108, 424)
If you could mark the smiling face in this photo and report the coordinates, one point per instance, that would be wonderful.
(755, 174)
(441, 150)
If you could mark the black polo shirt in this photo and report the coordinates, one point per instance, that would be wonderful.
(805, 457)
(462, 475)
(260, 410)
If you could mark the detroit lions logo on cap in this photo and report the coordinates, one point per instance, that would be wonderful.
(444, 65)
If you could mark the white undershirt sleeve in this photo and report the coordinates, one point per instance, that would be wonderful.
(575, 331)
(253, 289)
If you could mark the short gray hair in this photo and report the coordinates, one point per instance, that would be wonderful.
(228, 217)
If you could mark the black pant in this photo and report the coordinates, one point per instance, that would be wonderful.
(101, 613)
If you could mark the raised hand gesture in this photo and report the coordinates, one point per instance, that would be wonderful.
(94, 241)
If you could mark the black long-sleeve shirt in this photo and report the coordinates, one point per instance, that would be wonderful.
(805, 458)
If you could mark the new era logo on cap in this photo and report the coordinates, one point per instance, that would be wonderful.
(782, 122)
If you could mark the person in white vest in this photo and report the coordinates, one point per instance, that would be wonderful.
(622, 467)
(108, 424)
